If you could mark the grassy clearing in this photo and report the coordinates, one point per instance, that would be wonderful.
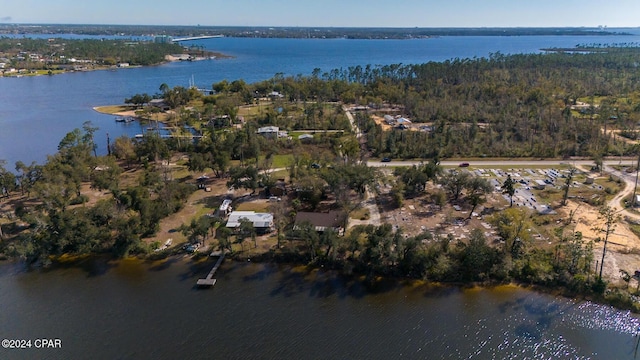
(281, 174)
(360, 214)
(281, 161)
(252, 206)
(251, 111)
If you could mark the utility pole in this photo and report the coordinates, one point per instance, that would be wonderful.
(633, 199)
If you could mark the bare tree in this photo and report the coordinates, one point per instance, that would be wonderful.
(610, 218)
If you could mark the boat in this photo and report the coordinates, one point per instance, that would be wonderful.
(120, 119)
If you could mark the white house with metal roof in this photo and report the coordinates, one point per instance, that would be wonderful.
(262, 222)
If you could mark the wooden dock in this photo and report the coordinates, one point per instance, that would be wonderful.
(209, 280)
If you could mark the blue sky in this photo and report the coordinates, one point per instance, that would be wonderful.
(352, 13)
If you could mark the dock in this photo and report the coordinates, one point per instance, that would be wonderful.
(209, 280)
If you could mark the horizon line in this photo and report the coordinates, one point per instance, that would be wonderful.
(331, 27)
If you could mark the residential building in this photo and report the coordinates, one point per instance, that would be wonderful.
(334, 220)
(262, 222)
(269, 132)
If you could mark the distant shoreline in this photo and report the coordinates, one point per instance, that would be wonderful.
(168, 59)
(303, 32)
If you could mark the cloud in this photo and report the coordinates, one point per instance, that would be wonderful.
(5, 18)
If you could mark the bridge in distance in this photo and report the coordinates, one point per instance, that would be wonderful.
(197, 38)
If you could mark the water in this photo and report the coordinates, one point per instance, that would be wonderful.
(133, 310)
(35, 113)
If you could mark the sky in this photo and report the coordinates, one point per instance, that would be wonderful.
(328, 13)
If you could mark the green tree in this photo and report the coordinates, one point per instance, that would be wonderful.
(454, 182)
(508, 187)
(8, 181)
(477, 189)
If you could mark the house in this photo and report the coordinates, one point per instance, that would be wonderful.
(389, 120)
(275, 95)
(159, 103)
(269, 132)
(262, 222)
(322, 221)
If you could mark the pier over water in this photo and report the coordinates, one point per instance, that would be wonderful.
(209, 280)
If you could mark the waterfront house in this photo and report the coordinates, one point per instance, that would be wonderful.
(262, 222)
(321, 221)
(160, 104)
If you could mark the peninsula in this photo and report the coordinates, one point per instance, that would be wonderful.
(26, 56)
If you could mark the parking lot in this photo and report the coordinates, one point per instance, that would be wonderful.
(529, 181)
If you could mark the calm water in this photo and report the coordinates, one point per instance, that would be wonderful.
(140, 311)
(145, 311)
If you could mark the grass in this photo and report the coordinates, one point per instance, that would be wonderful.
(281, 174)
(360, 214)
(281, 161)
(251, 111)
(252, 206)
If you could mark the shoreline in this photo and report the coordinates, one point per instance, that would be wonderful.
(210, 55)
(372, 285)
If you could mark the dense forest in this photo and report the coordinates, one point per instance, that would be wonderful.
(511, 106)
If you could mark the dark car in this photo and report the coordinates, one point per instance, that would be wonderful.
(464, 164)
(385, 160)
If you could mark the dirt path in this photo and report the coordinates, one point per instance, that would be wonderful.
(616, 202)
(374, 214)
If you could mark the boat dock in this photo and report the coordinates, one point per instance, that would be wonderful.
(209, 280)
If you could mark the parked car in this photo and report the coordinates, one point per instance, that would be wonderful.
(464, 164)
(385, 160)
